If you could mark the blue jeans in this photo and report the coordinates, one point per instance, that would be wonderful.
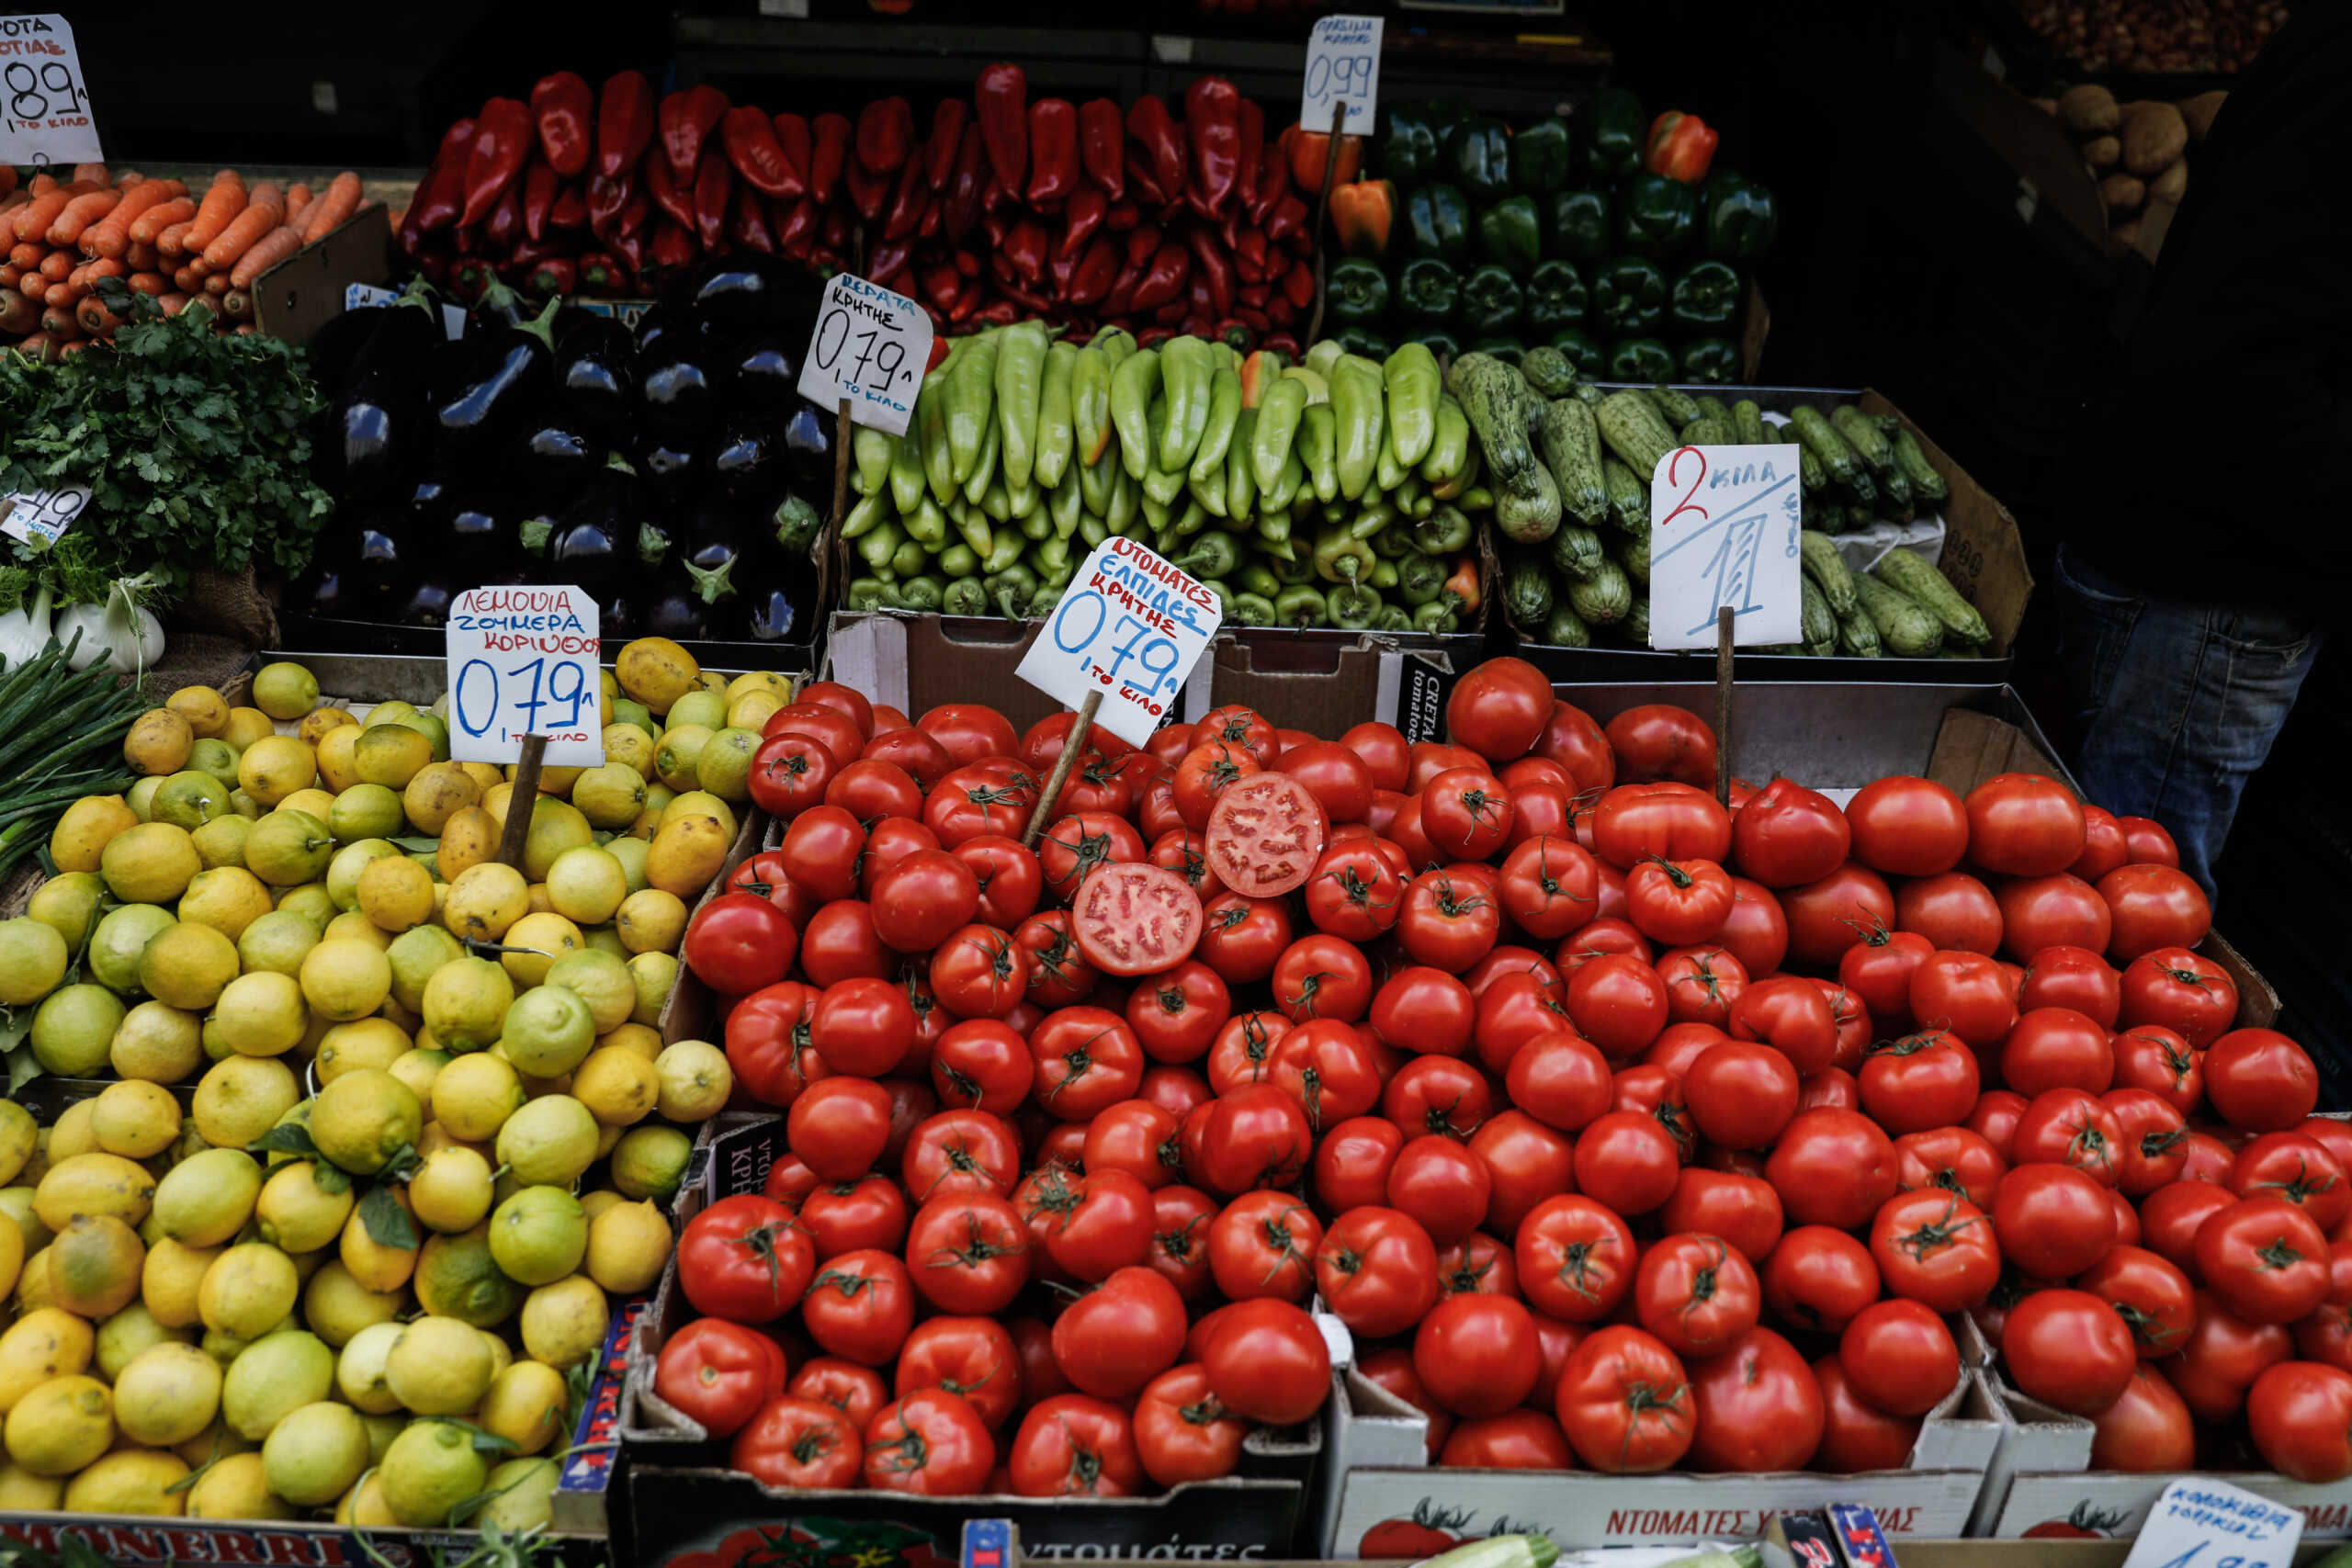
(2176, 703)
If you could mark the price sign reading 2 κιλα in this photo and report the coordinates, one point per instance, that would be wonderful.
(1130, 627)
(871, 347)
(522, 662)
(1723, 531)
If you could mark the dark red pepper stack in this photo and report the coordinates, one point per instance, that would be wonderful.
(1003, 209)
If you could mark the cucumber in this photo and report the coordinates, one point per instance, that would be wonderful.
(1548, 371)
(1571, 442)
(1629, 498)
(1527, 592)
(1634, 554)
(1864, 437)
(1605, 600)
(1749, 419)
(1911, 575)
(1856, 634)
(1926, 484)
(1810, 472)
(1636, 624)
(1576, 552)
(1528, 509)
(1905, 629)
(1680, 408)
(1566, 629)
(1495, 396)
(1825, 566)
(1818, 626)
(1837, 459)
(1632, 425)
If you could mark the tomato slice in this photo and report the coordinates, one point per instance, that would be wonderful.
(1135, 918)
(1265, 833)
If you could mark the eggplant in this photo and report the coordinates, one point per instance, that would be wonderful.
(747, 461)
(595, 376)
(714, 545)
(594, 540)
(661, 327)
(744, 290)
(777, 581)
(667, 474)
(794, 525)
(552, 456)
(675, 606)
(764, 374)
(499, 306)
(427, 604)
(382, 559)
(676, 396)
(378, 436)
(774, 612)
(808, 446)
(474, 534)
(507, 377)
(327, 589)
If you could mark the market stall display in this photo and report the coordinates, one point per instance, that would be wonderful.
(2138, 151)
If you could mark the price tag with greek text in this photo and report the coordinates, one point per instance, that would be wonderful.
(522, 662)
(2210, 1524)
(1130, 627)
(871, 347)
(44, 107)
(367, 297)
(1343, 67)
(40, 517)
(1723, 531)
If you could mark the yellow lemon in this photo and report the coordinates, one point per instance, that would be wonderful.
(360, 1369)
(93, 1266)
(171, 1279)
(187, 965)
(370, 1043)
(564, 1323)
(82, 834)
(275, 767)
(318, 721)
(236, 1486)
(288, 848)
(686, 853)
(549, 1142)
(68, 904)
(475, 1094)
(207, 1197)
(364, 1118)
(315, 1453)
(655, 975)
(248, 1289)
(32, 961)
(430, 1469)
(151, 863)
(390, 755)
(377, 1265)
(396, 893)
(337, 1306)
(45, 1344)
(61, 1425)
(338, 754)
(627, 1245)
(168, 1394)
(284, 690)
(302, 1209)
(93, 1184)
(240, 1098)
(618, 1086)
(438, 1366)
(345, 980)
(585, 886)
(135, 1119)
(536, 942)
(485, 901)
(221, 842)
(524, 1404)
(272, 1378)
(656, 672)
(555, 826)
(228, 899)
(695, 1082)
(437, 793)
(158, 743)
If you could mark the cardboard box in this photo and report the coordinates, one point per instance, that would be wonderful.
(304, 292)
(685, 1503)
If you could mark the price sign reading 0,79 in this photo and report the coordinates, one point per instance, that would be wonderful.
(870, 347)
(524, 661)
(1130, 627)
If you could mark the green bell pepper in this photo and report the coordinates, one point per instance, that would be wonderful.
(1302, 606)
(1446, 529)
(1477, 155)
(1510, 233)
(1491, 299)
(1742, 219)
(1556, 296)
(1427, 291)
(1705, 298)
(1714, 359)
(1641, 359)
(1354, 606)
(1616, 132)
(1539, 156)
(1363, 340)
(1576, 225)
(1628, 296)
(1409, 143)
(1657, 216)
(1358, 292)
(1251, 610)
(1444, 344)
(1509, 350)
(1437, 223)
(1585, 351)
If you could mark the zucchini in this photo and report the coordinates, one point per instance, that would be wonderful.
(1864, 437)
(1528, 509)
(1680, 408)
(1837, 459)
(1749, 419)
(1711, 407)
(1576, 552)
(1527, 592)
(1708, 430)
(1634, 554)
(1825, 566)
(1905, 627)
(1636, 624)
(1566, 629)
(1816, 625)
(1898, 494)
(1548, 371)
(1605, 599)
(1864, 487)
(1925, 483)
(1630, 422)
(1571, 444)
(1822, 516)
(1590, 395)
(1495, 396)
(1629, 498)
(1856, 634)
(1809, 469)
(1910, 574)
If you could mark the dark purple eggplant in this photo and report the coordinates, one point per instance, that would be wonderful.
(809, 447)
(507, 378)
(553, 458)
(667, 473)
(326, 588)
(677, 398)
(763, 375)
(673, 606)
(427, 604)
(383, 559)
(745, 291)
(475, 532)
(595, 376)
(594, 540)
(377, 437)
(747, 461)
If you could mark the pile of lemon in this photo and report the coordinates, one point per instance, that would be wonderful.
(432, 1122)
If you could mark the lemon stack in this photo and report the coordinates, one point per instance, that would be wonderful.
(432, 1128)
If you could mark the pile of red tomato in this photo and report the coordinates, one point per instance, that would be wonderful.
(1622, 1131)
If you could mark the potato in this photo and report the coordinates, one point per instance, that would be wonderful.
(2124, 235)
(2089, 110)
(2155, 136)
(2199, 111)
(2170, 185)
(2047, 106)
(2122, 194)
(2102, 152)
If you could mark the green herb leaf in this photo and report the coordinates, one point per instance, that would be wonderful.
(285, 1138)
(388, 1223)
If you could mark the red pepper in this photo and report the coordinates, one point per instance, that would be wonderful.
(1361, 215)
(833, 232)
(752, 147)
(1053, 150)
(687, 119)
(1281, 344)
(1250, 254)
(907, 202)
(503, 137)
(1095, 272)
(631, 248)
(1164, 279)
(1274, 184)
(468, 275)
(606, 200)
(539, 195)
(1152, 337)
(791, 133)
(560, 105)
(1001, 100)
(927, 225)
(1298, 284)
(1081, 216)
(1025, 242)
(635, 214)
(887, 262)
(968, 305)
(440, 196)
(798, 229)
(1142, 245)
(961, 208)
(886, 135)
(868, 191)
(1289, 218)
(1253, 295)
(996, 313)
(1212, 122)
(941, 282)
(502, 230)
(570, 209)
(1252, 121)
(1059, 267)
(673, 246)
(747, 224)
(1103, 145)
(672, 199)
(714, 181)
(828, 157)
(1163, 143)
(597, 272)
(1212, 262)
(994, 199)
(552, 277)
(1680, 147)
(1122, 216)
(624, 123)
(1121, 298)
(968, 264)
(1147, 187)
(947, 123)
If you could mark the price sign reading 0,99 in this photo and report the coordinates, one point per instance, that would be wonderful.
(44, 107)
(1129, 626)
(1343, 67)
(522, 662)
(870, 347)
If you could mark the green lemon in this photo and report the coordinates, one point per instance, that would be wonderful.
(439, 1366)
(261, 1014)
(207, 1197)
(68, 905)
(465, 1003)
(125, 1335)
(190, 798)
(555, 826)
(32, 961)
(342, 870)
(277, 941)
(548, 1030)
(364, 1118)
(121, 938)
(167, 1393)
(474, 1095)
(724, 768)
(221, 842)
(366, 811)
(272, 1378)
(539, 1235)
(287, 848)
(610, 796)
(75, 1027)
(360, 1369)
(315, 1453)
(523, 1496)
(285, 690)
(457, 1277)
(248, 1290)
(417, 955)
(549, 1142)
(653, 974)
(602, 980)
(649, 1162)
(431, 1469)
(301, 1208)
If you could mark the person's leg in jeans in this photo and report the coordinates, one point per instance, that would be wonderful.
(2179, 703)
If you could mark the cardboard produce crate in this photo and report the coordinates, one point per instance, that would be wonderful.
(686, 1507)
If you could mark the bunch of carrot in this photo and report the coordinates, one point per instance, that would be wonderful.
(61, 237)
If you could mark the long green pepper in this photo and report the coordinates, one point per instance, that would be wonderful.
(1020, 389)
(1318, 447)
(1360, 415)
(1240, 466)
(870, 449)
(1186, 371)
(1414, 388)
(1224, 414)
(1056, 428)
(971, 405)
(1133, 385)
(1279, 412)
(1090, 403)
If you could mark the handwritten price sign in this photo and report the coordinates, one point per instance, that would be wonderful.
(44, 107)
(522, 662)
(1723, 531)
(2210, 1524)
(871, 347)
(42, 516)
(1343, 67)
(1130, 627)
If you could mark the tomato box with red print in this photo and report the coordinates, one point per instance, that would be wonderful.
(1129, 628)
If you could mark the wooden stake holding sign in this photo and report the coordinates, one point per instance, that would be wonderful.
(1051, 791)
(517, 827)
(1342, 76)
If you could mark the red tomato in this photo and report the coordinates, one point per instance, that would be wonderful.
(2024, 825)
(2068, 976)
(797, 1442)
(1466, 813)
(1792, 1016)
(1952, 910)
(1609, 935)
(738, 942)
(2148, 1429)
(1619, 1003)
(1741, 1095)
(1625, 1402)
(1661, 741)
(982, 799)
(1241, 937)
(1952, 1158)
(2260, 1080)
(1574, 1258)
(1087, 1060)
(850, 1216)
(1701, 985)
(1560, 1080)
(1906, 826)
(1078, 845)
(844, 700)
(862, 1027)
(1135, 919)
(1265, 833)
(1426, 1009)
(1353, 1161)
(858, 1393)
(820, 850)
(2147, 841)
(1180, 1239)
(791, 771)
(2150, 1293)
(1138, 1138)
(2055, 1047)
(1818, 1278)
(923, 758)
(719, 1374)
(1919, 1082)
(1449, 921)
(980, 972)
(2223, 1356)
(1757, 931)
(2300, 1171)
(1517, 1439)
(1383, 750)
(971, 1356)
(2071, 1126)
(1176, 1015)
(1377, 1270)
(1696, 1294)
(871, 788)
(1073, 1446)
(2183, 991)
(1500, 710)
(2264, 1259)
(1120, 1335)
(839, 943)
(1637, 822)
(932, 1442)
(2300, 1415)
(1757, 1408)
(1788, 835)
(968, 731)
(1572, 739)
(1827, 916)
(1267, 1361)
(840, 1125)
(1899, 1357)
(2070, 1350)
(1236, 724)
(1832, 1167)
(1966, 993)
(1320, 977)
(1475, 1354)
(1328, 1067)
(1253, 1135)
(2154, 907)
(1936, 1247)
(860, 1306)
(1264, 1244)
(1527, 1161)
(1855, 1435)
(1627, 1161)
(1009, 878)
(1442, 1185)
(1182, 1433)
(2057, 910)
(1356, 891)
(1678, 902)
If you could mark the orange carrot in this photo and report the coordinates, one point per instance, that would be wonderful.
(57, 266)
(34, 218)
(334, 209)
(267, 251)
(197, 268)
(94, 173)
(96, 318)
(42, 185)
(34, 285)
(15, 199)
(173, 303)
(61, 295)
(105, 266)
(265, 209)
(25, 254)
(216, 284)
(7, 178)
(220, 203)
(186, 282)
(9, 277)
(172, 240)
(141, 258)
(80, 214)
(237, 305)
(144, 226)
(72, 348)
(149, 283)
(297, 200)
(111, 236)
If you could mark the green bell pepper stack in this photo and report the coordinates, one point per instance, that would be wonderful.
(1409, 143)
(1657, 216)
(1576, 225)
(1704, 299)
(1420, 579)
(1585, 352)
(1445, 530)
(1251, 610)
(1712, 359)
(1213, 554)
(1437, 615)
(1541, 157)
(1339, 556)
(1491, 302)
(1615, 133)
(1290, 567)
(1427, 291)
(1556, 297)
(958, 560)
(923, 592)
(1742, 218)
(1437, 223)
(1363, 340)
(1477, 155)
(1628, 296)
(1641, 359)
(965, 595)
(1357, 294)
(1510, 234)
